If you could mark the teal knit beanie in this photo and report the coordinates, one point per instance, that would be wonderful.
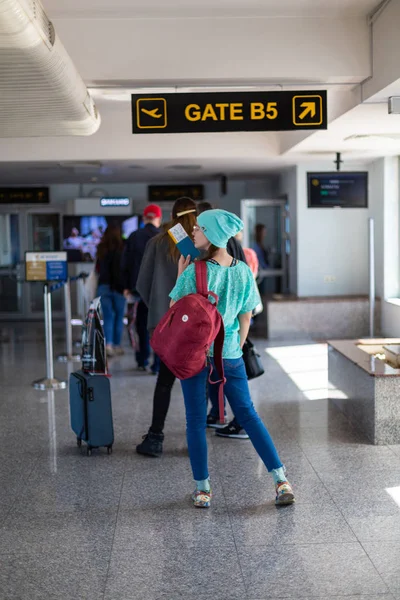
(219, 226)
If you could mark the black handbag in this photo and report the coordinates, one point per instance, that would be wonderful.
(252, 360)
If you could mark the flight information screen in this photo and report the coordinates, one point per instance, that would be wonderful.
(338, 189)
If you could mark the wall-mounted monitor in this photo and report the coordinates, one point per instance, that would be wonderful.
(81, 235)
(338, 189)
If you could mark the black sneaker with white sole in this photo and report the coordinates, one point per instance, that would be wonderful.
(233, 430)
(214, 422)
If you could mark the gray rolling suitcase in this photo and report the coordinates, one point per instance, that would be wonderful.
(91, 412)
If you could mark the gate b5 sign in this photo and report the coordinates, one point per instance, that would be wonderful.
(238, 111)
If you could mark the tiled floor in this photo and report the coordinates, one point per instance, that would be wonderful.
(121, 527)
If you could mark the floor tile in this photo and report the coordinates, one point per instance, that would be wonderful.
(324, 597)
(363, 508)
(386, 559)
(183, 526)
(64, 516)
(73, 482)
(165, 574)
(395, 449)
(310, 438)
(85, 530)
(363, 484)
(376, 528)
(295, 524)
(317, 419)
(310, 570)
(56, 575)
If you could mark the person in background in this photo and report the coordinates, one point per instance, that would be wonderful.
(260, 233)
(156, 279)
(250, 256)
(74, 240)
(132, 259)
(110, 288)
(233, 283)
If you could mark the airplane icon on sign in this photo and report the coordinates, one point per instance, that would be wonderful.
(152, 113)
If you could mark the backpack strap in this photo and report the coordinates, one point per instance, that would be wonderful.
(202, 289)
(219, 364)
(201, 280)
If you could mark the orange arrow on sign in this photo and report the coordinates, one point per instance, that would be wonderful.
(309, 108)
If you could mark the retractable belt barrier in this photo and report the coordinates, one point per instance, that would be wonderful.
(50, 382)
(69, 355)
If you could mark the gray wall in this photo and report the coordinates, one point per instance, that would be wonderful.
(237, 190)
(330, 242)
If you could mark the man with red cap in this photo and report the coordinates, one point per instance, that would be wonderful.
(133, 256)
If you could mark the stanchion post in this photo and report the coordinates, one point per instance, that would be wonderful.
(371, 226)
(49, 382)
(81, 302)
(69, 356)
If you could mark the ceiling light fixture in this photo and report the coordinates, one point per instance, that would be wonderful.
(184, 167)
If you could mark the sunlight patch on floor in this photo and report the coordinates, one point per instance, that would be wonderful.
(307, 367)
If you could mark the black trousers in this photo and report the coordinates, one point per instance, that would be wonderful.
(162, 398)
(143, 353)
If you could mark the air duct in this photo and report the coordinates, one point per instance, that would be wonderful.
(41, 92)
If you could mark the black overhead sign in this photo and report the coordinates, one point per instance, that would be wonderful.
(24, 195)
(225, 111)
(170, 193)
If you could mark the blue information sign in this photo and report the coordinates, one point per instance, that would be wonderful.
(46, 266)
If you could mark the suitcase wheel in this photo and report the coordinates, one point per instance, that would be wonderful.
(89, 451)
(109, 449)
(79, 442)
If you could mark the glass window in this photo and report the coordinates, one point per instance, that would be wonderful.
(44, 232)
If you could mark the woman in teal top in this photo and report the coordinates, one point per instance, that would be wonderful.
(234, 284)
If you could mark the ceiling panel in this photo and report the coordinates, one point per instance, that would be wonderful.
(208, 8)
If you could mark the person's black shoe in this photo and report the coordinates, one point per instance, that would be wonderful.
(233, 430)
(152, 444)
(214, 422)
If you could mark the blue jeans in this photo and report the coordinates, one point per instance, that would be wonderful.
(238, 395)
(113, 305)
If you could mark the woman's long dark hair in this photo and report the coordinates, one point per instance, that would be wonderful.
(187, 221)
(110, 242)
(210, 252)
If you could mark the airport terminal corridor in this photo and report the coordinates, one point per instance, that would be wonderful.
(251, 147)
(122, 526)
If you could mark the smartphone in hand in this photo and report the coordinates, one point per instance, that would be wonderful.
(184, 243)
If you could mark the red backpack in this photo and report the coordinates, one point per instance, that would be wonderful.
(183, 337)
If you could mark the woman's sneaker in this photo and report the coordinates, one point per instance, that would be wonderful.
(201, 499)
(110, 351)
(214, 422)
(233, 430)
(284, 493)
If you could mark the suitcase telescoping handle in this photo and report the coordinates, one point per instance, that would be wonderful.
(86, 395)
